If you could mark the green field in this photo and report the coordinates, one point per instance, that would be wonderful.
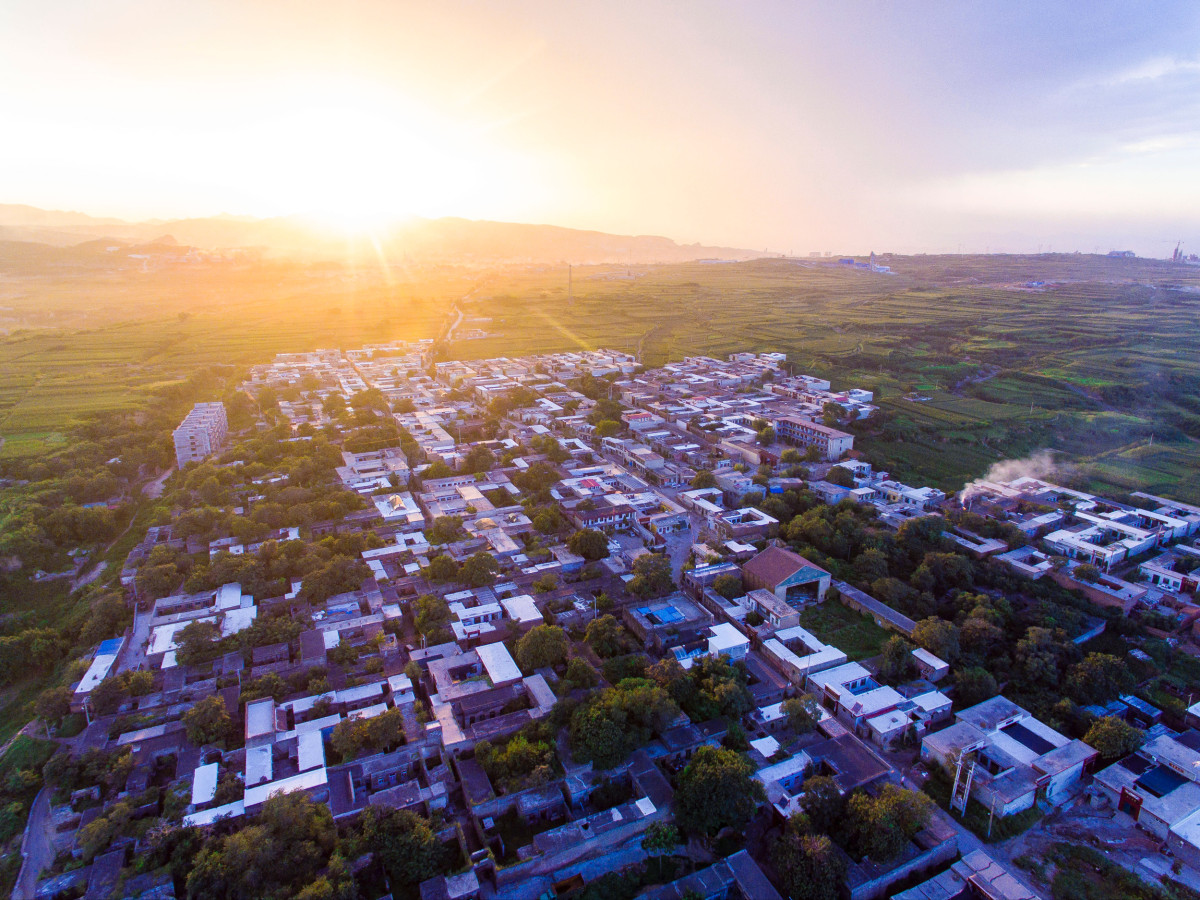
(1096, 362)
(970, 365)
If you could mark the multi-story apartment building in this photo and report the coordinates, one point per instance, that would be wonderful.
(201, 433)
(830, 442)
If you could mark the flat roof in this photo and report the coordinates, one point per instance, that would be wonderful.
(260, 794)
(498, 662)
(521, 608)
(204, 783)
(310, 750)
(96, 673)
(259, 765)
(260, 717)
(208, 816)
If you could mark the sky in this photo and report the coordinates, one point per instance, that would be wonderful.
(793, 127)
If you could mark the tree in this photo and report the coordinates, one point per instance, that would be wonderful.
(53, 704)
(442, 569)
(479, 570)
(1098, 678)
(580, 674)
(107, 697)
(716, 791)
(766, 436)
(803, 713)
(207, 722)
(608, 726)
(1086, 572)
(703, 479)
(823, 803)
(880, 827)
(896, 663)
(589, 543)
(607, 428)
(974, 685)
(809, 865)
(1113, 738)
(729, 586)
(544, 645)
(841, 476)
(276, 856)
(445, 529)
(478, 459)
(432, 617)
(660, 838)
(651, 576)
(937, 636)
(545, 584)
(604, 636)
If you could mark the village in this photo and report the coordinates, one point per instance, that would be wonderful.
(544, 604)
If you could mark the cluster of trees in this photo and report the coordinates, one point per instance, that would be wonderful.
(377, 734)
(543, 645)
(712, 687)
(525, 760)
(877, 827)
(651, 576)
(477, 570)
(716, 790)
(610, 725)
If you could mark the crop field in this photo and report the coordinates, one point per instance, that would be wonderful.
(94, 344)
(973, 359)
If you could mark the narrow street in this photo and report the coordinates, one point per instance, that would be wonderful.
(37, 848)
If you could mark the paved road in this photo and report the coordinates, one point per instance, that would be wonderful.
(133, 654)
(37, 848)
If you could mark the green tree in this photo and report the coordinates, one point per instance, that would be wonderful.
(589, 543)
(607, 428)
(896, 663)
(716, 791)
(823, 803)
(198, 643)
(1086, 572)
(478, 459)
(276, 856)
(53, 704)
(433, 618)
(841, 476)
(445, 529)
(880, 827)
(107, 697)
(605, 637)
(809, 865)
(1113, 738)
(544, 645)
(660, 838)
(208, 722)
(651, 576)
(803, 713)
(937, 636)
(703, 479)
(1098, 678)
(580, 674)
(442, 569)
(479, 570)
(729, 586)
(974, 685)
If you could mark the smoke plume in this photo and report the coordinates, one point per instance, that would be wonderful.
(1038, 465)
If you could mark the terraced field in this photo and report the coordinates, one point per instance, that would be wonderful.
(975, 359)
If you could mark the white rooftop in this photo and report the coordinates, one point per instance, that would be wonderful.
(260, 794)
(500, 666)
(259, 765)
(767, 746)
(204, 784)
(260, 717)
(209, 816)
(310, 750)
(521, 608)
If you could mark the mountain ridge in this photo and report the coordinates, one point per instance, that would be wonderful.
(442, 239)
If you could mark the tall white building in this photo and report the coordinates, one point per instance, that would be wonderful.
(201, 433)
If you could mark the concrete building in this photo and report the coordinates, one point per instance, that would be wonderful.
(201, 434)
(787, 575)
(1012, 759)
(830, 442)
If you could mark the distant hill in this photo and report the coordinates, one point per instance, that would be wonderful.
(449, 239)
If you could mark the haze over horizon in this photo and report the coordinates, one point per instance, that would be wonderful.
(791, 127)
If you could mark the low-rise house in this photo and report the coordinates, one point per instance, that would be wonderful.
(723, 639)
(1011, 759)
(787, 575)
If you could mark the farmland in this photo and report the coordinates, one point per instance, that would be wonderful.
(973, 359)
